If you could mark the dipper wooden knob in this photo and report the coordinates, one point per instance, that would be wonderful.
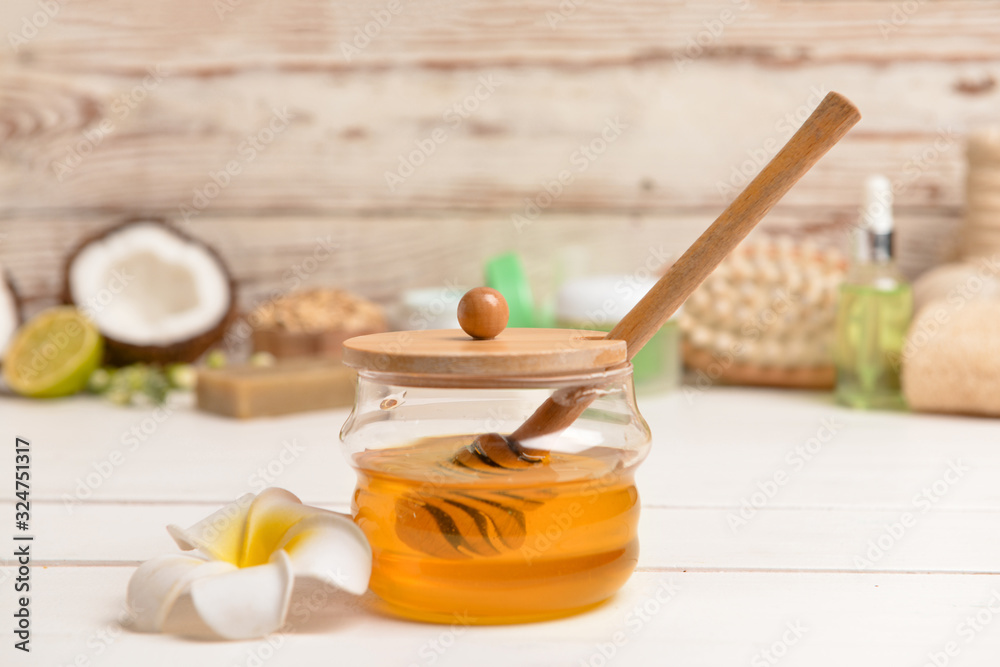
(483, 312)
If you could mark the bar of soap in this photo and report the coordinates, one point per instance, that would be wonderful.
(284, 388)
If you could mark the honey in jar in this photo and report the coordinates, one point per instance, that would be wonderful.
(494, 543)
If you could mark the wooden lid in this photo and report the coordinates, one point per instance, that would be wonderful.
(514, 352)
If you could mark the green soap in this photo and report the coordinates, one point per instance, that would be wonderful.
(658, 362)
(505, 273)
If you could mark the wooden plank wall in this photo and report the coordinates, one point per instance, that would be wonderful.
(111, 108)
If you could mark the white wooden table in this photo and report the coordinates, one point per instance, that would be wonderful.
(845, 560)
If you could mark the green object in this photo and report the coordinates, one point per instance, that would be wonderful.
(99, 381)
(216, 359)
(137, 384)
(599, 302)
(141, 384)
(874, 312)
(53, 354)
(872, 320)
(505, 273)
(181, 376)
(657, 364)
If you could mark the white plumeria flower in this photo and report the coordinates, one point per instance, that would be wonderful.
(248, 556)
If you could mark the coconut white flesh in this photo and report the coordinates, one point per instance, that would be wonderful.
(8, 316)
(144, 285)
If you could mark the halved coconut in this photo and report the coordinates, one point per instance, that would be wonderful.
(10, 311)
(155, 294)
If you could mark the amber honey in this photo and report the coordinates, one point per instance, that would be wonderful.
(493, 543)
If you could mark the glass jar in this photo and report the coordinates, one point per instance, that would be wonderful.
(534, 530)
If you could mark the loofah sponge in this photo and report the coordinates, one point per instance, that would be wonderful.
(958, 283)
(766, 315)
(951, 360)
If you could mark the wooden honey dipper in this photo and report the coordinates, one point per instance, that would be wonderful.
(827, 125)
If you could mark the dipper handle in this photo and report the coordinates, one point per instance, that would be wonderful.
(827, 125)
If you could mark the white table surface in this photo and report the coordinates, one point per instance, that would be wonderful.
(804, 560)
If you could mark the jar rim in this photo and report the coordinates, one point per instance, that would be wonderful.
(622, 371)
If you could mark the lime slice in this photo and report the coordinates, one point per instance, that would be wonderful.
(53, 354)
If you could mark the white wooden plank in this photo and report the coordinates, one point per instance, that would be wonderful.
(712, 619)
(185, 455)
(711, 448)
(844, 540)
(717, 445)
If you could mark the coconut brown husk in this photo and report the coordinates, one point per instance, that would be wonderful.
(120, 353)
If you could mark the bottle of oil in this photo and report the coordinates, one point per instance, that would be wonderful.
(876, 305)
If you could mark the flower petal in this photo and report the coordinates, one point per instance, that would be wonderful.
(157, 583)
(246, 603)
(328, 547)
(273, 512)
(219, 535)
